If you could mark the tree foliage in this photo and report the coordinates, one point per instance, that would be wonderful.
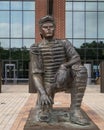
(93, 50)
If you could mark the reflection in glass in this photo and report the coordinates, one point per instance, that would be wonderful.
(68, 25)
(68, 5)
(16, 43)
(101, 53)
(29, 24)
(28, 5)
(91, 6)
(92, 43)
(91, 53)
(78, 5)
(101, 6)
(4, 43)
(28, 43)
(101, 25)
(78, 24)
(4, 5)
(77, 43)
(16, 24)
(91, 24)
(101, 43)
(16, 5)
(4, 24)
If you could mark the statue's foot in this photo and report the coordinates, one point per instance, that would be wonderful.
(77, 117)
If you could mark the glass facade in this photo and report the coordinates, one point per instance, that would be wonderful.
(85, 29)
(17, 33)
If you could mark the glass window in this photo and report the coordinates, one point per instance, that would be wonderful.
(91, 53)
(77, 43)
(15, 18)
(91, 43)
(101, 53)
(4, 5)
(101, 43)
(28, 5)
(68, 24)
(28, 43)
(4, 43)
(16, 24)
(4, 24)
(101, 6)
(91, 6)
(78, 24)
(16, 5)
(68, 6)
(101, 25)
(16, 43)
(91, 24)
(78, 6)
(29, 24)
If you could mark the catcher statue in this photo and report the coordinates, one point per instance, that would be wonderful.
(56, 67)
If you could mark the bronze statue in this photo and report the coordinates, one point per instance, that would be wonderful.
(56, 66)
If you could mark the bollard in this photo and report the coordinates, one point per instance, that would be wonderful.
(102, 77)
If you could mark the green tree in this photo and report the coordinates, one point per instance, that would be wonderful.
(92, 50)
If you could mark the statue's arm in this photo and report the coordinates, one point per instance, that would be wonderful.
(71, 54)
(37, 77)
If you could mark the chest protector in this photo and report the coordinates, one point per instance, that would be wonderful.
(53, 55)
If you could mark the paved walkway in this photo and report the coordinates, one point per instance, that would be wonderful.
(16, 103)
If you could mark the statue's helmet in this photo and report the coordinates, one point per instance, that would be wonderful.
(45, 19)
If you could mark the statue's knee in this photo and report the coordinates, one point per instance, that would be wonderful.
(80, 70)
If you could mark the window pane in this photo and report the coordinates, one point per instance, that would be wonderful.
(28, 5)
(101, 44)
(101, 24)
(16, 5)
(91, 24)
(16, 24)
(78, 5)
(68, 24)
(78, 25)
(28, 42)
(92, 43)
(91, 6)
(4, 24)
(4, 43)
(4, 5)
(101, 6)
(68, 5)
(91, 53)
(101, 53)
(16, 43)
(29, 24)
(77, 43)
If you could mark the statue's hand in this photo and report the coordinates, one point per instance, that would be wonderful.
(46, 100)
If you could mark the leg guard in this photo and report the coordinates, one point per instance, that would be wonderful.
(78, 85)
(77, 92)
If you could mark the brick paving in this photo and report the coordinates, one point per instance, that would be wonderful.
(16, 103)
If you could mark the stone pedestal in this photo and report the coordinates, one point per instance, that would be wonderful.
(59, 121)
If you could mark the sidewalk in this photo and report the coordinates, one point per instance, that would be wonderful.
(16, 103)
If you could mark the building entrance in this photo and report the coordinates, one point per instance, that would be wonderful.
(10, 73)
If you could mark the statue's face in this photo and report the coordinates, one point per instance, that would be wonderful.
(47, 30)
